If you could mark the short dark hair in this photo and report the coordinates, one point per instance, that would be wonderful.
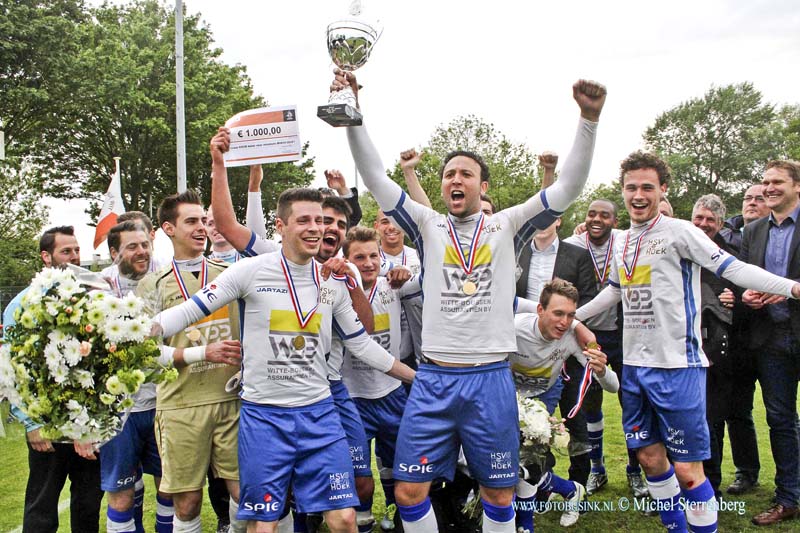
(114, 237)
(557, 286)
(639, 160)
(296, 194)
(791, 167)
(47, 242)
(339, 205)
(359, 234)
(136, 215)
(614, 208)
(168, 210)
(466, 153)
(485, 197)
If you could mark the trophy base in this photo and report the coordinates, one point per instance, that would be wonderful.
(338, 115)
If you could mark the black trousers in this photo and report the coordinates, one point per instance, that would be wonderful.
(48, 473)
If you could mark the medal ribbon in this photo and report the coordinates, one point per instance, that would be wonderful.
(472, 245)
(629, 271)
(302, 319)
(348, 280)
(179, 278)
(586, 380)
(372, 292)
(602, 275)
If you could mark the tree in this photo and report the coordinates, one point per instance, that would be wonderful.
(123, 104)
(21, 220)
(716, 144)
(512, 167)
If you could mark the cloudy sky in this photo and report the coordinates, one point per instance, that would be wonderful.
(511, 63)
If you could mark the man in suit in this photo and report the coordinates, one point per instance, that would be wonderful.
(547, 257)
(773, 244)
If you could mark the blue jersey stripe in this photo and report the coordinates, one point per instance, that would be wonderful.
(690, 309)
(201, 305)
(339, 331)
(725, 264)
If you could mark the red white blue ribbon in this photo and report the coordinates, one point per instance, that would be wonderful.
(602, 274)
(182, 285)
(347, 279)
(402, 259)
(629, 270)
(372, 291)
(302, 318)
(586, 380)
(466, 265)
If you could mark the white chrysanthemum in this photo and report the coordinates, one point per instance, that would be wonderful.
(32, 297)
(60, 374)
(132, 304)
(107, 399)
(112, 307)
(137, 329)
(84, 378)
(71, 348)
(76, 316)
(68, 288)
(114, 385)
(57, 336)
(115, 330)
(73, 405)
(53, 308)
(52, 356)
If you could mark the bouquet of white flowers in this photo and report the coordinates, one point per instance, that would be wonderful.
(540, 432)
(74, 358)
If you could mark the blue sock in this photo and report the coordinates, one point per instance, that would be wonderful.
(299, 522)
(164, 514)
(524, 508)
(388, 491)
(414, 513)
(497, 513)
(120, 521)
(667, 493)
(701, 508)
(594, 425)
(138, 501)
(552, 483)
(633, 463)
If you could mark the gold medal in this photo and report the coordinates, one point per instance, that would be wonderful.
(593, 346)
(194, 335)
(299, 342)
(469, 287)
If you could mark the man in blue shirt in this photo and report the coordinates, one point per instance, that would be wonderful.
(772, 243)
(51, 463)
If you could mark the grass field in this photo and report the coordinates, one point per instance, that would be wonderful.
(14, 474)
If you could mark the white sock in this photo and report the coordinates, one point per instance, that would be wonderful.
(426, 524)
(237, 526)
(189, 526)
(490, 526)
(525, 489)
(120, 522)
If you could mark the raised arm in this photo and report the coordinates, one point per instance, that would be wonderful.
(409, 159)
(548, 160)
(254, 216)
(224, 216)
(337, 182)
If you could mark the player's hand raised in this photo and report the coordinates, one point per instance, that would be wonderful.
(219, 145)
(591, 96)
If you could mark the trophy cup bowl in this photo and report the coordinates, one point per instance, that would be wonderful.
(349, 45)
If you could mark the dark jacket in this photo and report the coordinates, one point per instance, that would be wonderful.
(715, 319)
(572, 264)
(731, 232)
(754, 247)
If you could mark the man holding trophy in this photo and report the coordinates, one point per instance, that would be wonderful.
(468, 261)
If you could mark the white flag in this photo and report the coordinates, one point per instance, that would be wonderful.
(112, 208)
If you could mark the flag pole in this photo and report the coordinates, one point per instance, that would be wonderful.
(179, 107)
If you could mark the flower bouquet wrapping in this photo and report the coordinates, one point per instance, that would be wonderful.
(75, 357)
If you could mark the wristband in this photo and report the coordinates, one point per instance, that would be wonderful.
(195, 354)
(167, 357)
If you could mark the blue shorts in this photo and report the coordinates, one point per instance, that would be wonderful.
(449, 407)
(304, 447)
(135, 445)
(666, 405)
(381, 418)
(353, 429)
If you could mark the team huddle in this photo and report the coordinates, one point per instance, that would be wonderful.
(296, 360)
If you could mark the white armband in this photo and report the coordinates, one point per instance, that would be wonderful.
(167, 357)
(195, 354)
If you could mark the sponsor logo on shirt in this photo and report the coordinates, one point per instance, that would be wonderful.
(277, 290)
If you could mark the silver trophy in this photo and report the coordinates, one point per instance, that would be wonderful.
(350, 42)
